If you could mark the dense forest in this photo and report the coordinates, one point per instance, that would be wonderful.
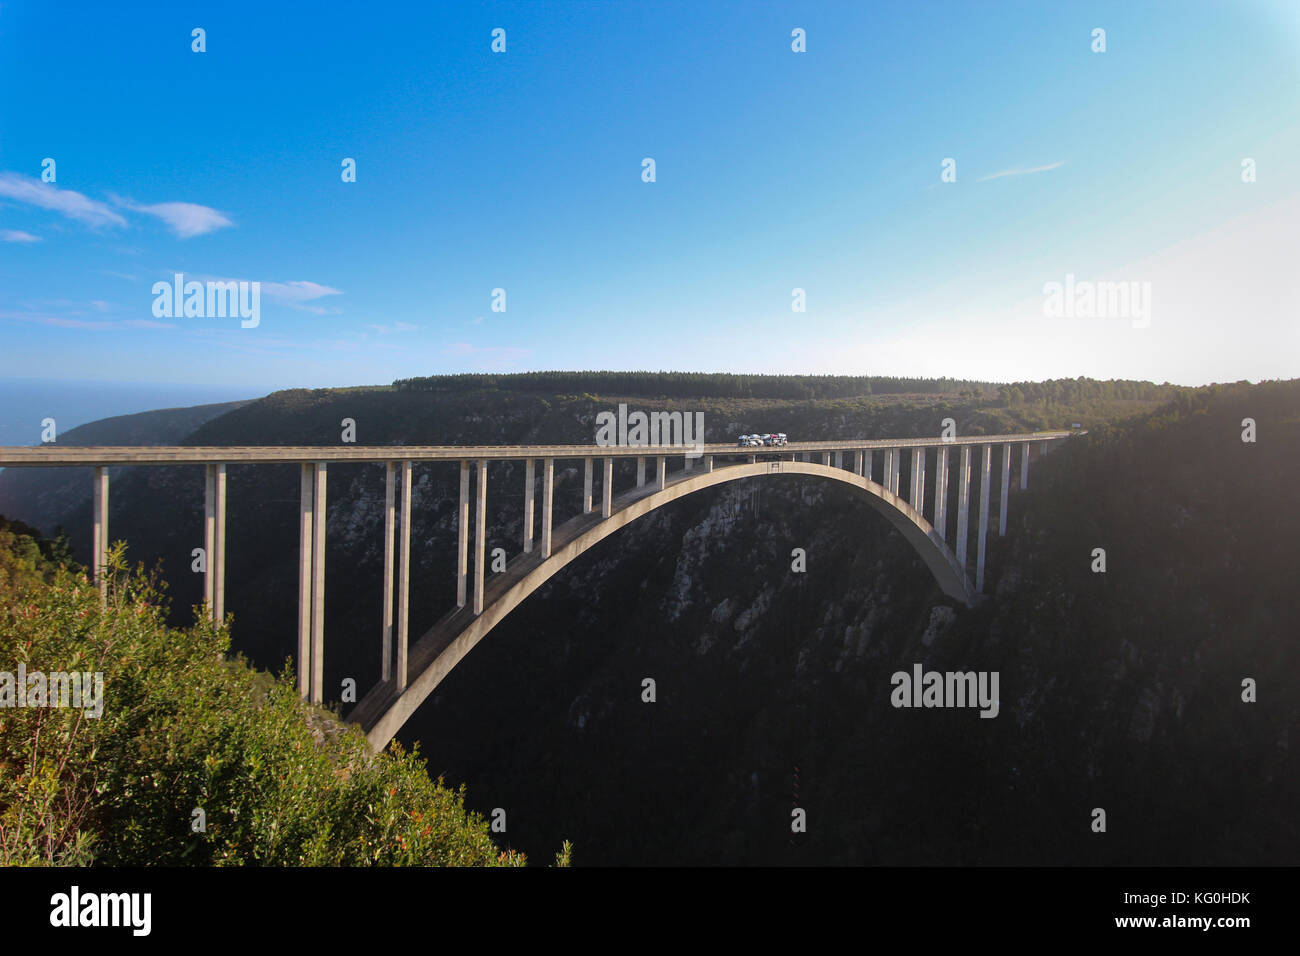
(678, 385)
(696, 384)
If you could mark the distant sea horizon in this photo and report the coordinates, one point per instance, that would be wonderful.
(24, 402)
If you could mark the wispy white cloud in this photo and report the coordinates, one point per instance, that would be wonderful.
(90, 325)
(1021, 172)
(66, 202)
(395, 327)
(184, 219)
(297, 294)
(17, 235)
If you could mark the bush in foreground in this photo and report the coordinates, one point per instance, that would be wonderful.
(188, 736)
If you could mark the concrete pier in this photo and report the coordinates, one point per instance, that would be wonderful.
(986, 471)
(390, 536)
(640, 472)
(530, 519)
(480, 532)
(1006, 486)
(209, 533)
(217, 564)
(918, 480)
(462, 538)
(941, 492)
(963, 506)
(99, 548)
(306, 490)
(318, 585)
(404, 577)
(548, 497)
(586, 486)
(607, 489)
(1024, 466)
(661, 473)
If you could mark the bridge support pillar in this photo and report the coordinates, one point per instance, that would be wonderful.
(708, 464)
(530, 482)
(480, 531)
(306, 490)
(918, 480)
(209, 533)
(1006, 486)
(866, 464)
(640, 472)
(986, 469)
(318, 585)
(607, 488)
(462, 538)
(99, 545)
(1024, 466)
(217, 556)
(839, 459)
(404, 579)
(857, 462)
(661, 472)
(963, 506)
(689, 463)
(390, 536)
(941, 492)
(586, 486)
(548, 496)
(753, 460)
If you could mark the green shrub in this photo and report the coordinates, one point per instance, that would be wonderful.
(184, 729)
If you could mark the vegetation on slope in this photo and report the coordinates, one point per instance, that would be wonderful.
(185, 729)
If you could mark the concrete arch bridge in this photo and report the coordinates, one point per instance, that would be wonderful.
(411, 670)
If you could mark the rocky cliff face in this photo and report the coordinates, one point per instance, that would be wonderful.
(773, 686)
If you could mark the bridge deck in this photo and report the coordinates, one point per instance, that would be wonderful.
(61, 455)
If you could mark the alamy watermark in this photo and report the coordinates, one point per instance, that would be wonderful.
(81, 689)
(129, 910)
(923, 688)
(1098, 300)
(212, 300)
(636, 429)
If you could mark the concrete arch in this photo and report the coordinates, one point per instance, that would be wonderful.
(383, 711)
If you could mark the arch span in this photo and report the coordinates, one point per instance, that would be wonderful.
(383, 711)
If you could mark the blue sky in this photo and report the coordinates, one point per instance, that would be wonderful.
(775, 170)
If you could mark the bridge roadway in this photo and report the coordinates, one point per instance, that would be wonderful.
(411, 670)
(54, 455)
